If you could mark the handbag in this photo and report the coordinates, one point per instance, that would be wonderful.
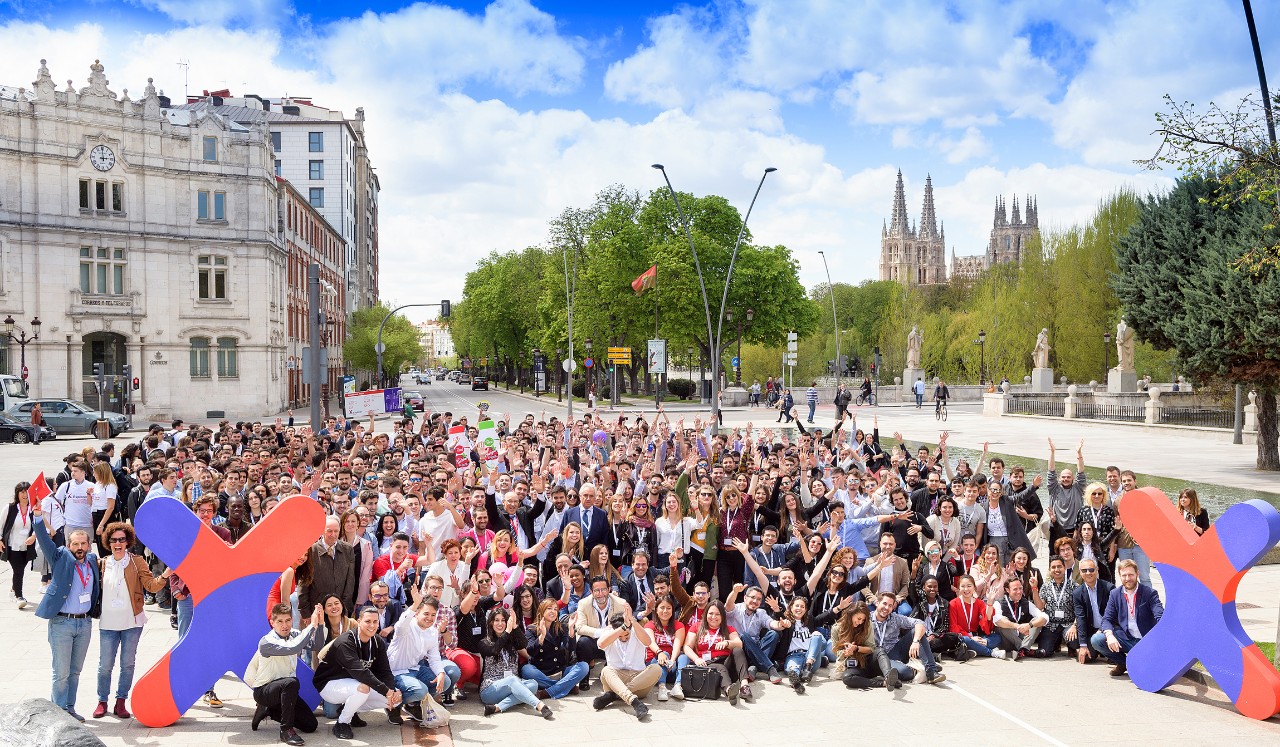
(700, 683)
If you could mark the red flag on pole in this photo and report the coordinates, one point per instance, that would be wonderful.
(646, 281)
(39, 490)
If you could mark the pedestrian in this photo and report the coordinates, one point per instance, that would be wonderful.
(788, 402)
(755, 393)
(842, 399)
(125, 578)
(70, 604)
(17, 542)
(918, 388)
(811, 398)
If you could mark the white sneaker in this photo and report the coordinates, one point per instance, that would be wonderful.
(999, 654)
(676, 692)
(22, 603)
(662, 693)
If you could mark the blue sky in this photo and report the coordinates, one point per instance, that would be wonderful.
(488, 119)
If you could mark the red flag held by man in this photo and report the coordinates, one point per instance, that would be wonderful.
(39, 490)
(646, 281)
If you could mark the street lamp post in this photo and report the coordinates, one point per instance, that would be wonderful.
(831, 290)
(591, 372)
(982, 356)
(737, 370)
(714, 336)
(560, 376)
(1106, 355)
(22, 339)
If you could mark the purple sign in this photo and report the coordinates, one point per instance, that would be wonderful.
(391, 398)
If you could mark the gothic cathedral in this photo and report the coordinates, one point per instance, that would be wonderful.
(909, 254)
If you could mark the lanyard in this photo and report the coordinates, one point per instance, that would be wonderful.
(1131, 600)
(1095, 513)
(968, 615)
(880, 629)
(1058, 594)
(86, 575)
(22, 512)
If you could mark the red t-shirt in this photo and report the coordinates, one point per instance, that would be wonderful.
(969, 619)
(383, 564)
(709, 639)
(664, 639)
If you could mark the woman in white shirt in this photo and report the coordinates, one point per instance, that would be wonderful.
(452, 570)
(364, 552)
(17, 541)
(674, 530)
(946, 527)
(125, 577)
(104, 502)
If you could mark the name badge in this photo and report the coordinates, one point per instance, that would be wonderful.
(477, 630)
(1059, 614)
(84, 598)
(617, 552)
(755, 538)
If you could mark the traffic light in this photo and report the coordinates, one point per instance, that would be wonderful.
(873, 369)
(100, 374)
(444, 309)
(137, 383)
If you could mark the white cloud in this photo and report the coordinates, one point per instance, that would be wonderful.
(221, 12)
(684, 60)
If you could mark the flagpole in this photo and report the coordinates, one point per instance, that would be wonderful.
(657, 378)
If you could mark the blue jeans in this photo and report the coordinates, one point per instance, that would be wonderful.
(678, 668)
(919, 400)
(983, 645)
(185, 608)
(1127, 642)
(817, 648)
(111, 641)
(901, 653)
(509, 692)
(416, 683)
(1139, 556)
(69, 642)
(759, 651)
(813, 406)
(557, 689)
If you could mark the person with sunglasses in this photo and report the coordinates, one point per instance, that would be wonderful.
(125, 579)
(1090, 601)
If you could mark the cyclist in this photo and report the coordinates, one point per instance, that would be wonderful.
(940, 396)
(866, 389)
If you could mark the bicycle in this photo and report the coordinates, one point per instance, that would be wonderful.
(866, 399)
(940, 409)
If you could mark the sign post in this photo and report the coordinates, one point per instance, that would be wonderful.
(617, 357)
(658, 367)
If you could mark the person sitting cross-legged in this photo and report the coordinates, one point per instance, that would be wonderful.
(1017, 620)
(625, 676)
(273, 673)
(888, 627)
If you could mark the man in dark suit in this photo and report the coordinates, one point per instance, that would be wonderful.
(332, 571)
(70, 604)
(1132, 611)
(1090, 600)
(515, 517)
(389, 609)
(594, 521)
(640, 583)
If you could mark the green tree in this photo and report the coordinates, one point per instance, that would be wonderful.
(399, 335)
(1178, 278)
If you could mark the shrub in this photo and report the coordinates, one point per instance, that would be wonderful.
(682, 388)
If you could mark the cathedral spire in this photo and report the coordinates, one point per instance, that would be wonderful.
(928, 218)
(898, 220)
(1017, 219)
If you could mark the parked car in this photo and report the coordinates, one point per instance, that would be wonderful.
(416, 401)
(12, 431)
(480, 382)
(67, 416)
(464, 378)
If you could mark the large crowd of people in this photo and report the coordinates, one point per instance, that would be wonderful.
(609, 555)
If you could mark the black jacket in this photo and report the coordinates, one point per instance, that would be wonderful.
(349, 658)
(631, 594)
(554, 654)
(1085, 626)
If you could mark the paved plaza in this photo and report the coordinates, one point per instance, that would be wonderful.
(988, 702)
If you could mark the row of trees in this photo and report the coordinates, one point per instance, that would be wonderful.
(516, 301)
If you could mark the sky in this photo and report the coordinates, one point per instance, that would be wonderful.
(486, 120)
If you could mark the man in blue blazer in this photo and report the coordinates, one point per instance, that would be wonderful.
(1132, 611)
(1090, 600)
(70, 604)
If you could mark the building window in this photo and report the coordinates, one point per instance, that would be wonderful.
(275, 141)
(228, 366)
(317, 197)
(100, 195)
(315, 169)
(199, 357)
(102, 271)
(315, 142)
(117, 196)
(211, 148)
(86, 186)
(211, 205)
(213, 278)
(278, 167)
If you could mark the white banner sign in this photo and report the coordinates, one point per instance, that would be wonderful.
(657, 356)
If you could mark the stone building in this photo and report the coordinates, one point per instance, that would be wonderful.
(910, 254)
(1011, 235)
(326, 156)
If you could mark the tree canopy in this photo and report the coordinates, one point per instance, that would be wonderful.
(1180, 277)
(399, 335)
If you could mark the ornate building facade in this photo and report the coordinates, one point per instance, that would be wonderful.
(1011, 234)
(911, 254)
